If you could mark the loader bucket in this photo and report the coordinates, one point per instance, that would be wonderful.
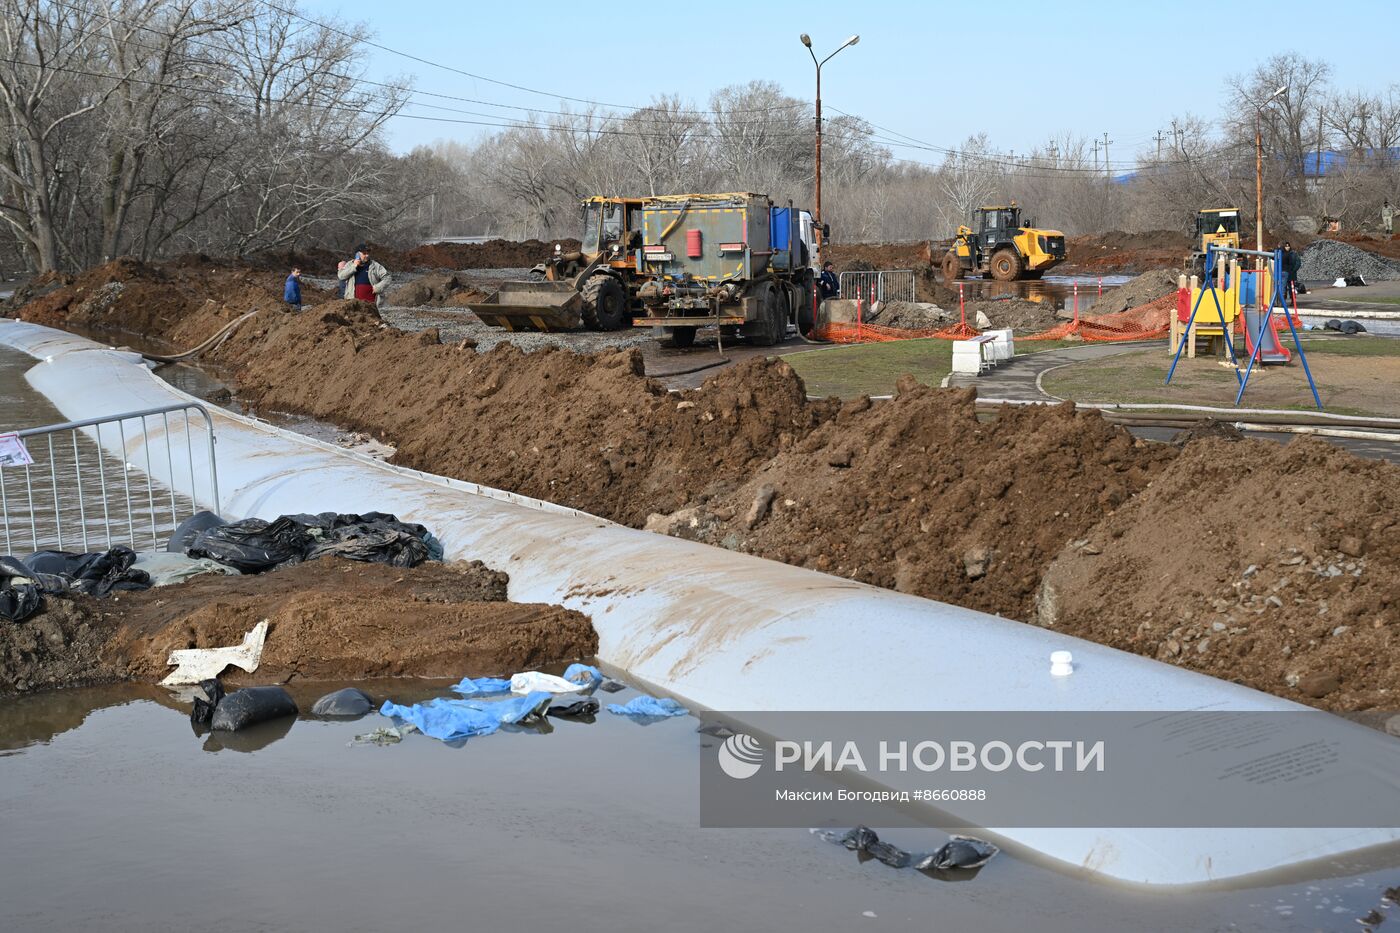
(543, 306)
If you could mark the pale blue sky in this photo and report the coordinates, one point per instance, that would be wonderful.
(935, 71)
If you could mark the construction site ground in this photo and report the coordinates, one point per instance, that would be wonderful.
(1049, 515)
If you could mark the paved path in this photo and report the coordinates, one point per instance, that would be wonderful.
(1016, 379)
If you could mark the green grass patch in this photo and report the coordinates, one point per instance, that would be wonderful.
(873, 368)
(1348, 346)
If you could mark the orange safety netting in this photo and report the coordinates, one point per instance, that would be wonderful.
(1141, 323)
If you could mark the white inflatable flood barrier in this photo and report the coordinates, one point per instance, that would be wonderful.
(721, 630)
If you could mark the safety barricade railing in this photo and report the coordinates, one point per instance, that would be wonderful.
(62, 485)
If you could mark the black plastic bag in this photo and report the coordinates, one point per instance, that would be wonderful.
(20, 595)
(184, 534)
(254, 545)
(204, 708)
(582, 709)
(250, 706)
(347, 702)
(892, 856)
(95, 574)
(375, 536)
(959, 852)
(860, 839)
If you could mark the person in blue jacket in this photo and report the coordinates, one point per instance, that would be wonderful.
(291, 292)
(829, 284)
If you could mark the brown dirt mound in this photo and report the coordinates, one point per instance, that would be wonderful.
(1149, 286)
(1272, 566)
(866, 257)
(436, 289)
(172, 301)
(591, 432)
(1020, 314)
(495, 254)
(919, 495)
(329, 619)
(1112, 253)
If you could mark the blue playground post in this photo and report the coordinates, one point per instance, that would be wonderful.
(1276, 294)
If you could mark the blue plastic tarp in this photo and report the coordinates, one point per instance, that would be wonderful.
(481, 686)
(583, 674)
(447, 719)
(645, 707)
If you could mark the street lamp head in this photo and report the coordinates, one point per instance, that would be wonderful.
(1281, 90)
(806, 40)
(851, 41)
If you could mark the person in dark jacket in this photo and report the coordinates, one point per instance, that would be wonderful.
(829, 284)
(1292, 262)
(291, 292)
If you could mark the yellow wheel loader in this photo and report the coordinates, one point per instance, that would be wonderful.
(1002, 247)
(595, 287)
(1215, 226)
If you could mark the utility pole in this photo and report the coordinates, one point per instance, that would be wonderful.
(1054, 154)
(1107, 169)
(1160, 137)
(1259, 169)
(1176, 137)
(807, 41)
(1096, 156)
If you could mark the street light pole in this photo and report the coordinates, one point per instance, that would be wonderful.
(807, 41)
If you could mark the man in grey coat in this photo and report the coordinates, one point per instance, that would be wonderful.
(364, 278)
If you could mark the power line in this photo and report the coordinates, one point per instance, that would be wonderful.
(640, 113)
(478, 77)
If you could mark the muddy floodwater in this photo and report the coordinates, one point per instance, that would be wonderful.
(117, 815)
(1058, 292)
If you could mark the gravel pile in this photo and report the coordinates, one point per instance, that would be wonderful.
(1325, 260)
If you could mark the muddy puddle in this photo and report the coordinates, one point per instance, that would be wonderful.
(1057, 292)
(116, 813)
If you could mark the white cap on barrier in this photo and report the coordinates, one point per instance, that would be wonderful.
(1061, 664)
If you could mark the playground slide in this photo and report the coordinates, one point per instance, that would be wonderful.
(1273, 350)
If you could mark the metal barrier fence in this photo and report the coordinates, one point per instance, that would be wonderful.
(73, 480)
(870, 287)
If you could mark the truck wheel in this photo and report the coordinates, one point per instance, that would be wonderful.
(678, 337)
(952, 269)
(806, 311)
(1006, 265)
(605, 304)
(766, 329)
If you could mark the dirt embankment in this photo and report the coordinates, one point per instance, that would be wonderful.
(157, 301)
(1115, 253)
(919, 495)
(493, 254)
(1274, 566)
(329, 619)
